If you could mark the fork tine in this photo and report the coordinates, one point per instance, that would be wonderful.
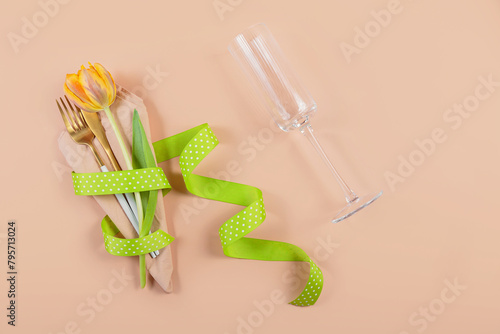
(65, 118)
(70, 118)
(75, 114)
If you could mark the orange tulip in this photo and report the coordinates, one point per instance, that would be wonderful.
(91, 89)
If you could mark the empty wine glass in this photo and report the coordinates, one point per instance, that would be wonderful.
(283, 96)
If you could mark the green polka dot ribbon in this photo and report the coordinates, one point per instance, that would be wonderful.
(126, 181)
(191, 147)
(132, 247)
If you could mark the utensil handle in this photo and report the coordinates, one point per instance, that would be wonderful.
(127, 210)
(111, 156)
(133, 206)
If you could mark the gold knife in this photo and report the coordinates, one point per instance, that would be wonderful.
(95, 125)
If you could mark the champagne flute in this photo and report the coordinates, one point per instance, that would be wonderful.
(288, 102)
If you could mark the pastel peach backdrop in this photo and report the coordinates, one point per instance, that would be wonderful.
(408, 95)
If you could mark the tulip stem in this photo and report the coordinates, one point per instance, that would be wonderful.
(128, 163)
(119, 136)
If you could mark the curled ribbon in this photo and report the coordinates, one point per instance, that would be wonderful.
(192, 146)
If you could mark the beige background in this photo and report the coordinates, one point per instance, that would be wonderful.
(388, 265)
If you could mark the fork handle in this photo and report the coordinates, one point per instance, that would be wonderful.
(96, 155)
(127, 210)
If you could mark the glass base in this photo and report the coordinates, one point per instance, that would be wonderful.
(356, 205)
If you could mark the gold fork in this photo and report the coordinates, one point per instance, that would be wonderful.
(80, 132)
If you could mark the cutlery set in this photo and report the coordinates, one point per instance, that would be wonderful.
(83, 127)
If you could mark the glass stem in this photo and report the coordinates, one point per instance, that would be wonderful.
(307, 131)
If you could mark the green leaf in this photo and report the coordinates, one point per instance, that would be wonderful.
(142, 157)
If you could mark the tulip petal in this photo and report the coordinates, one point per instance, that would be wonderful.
(108, 80)
(93, 87)
(76, 100)
(100, 86)
(73, 84)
